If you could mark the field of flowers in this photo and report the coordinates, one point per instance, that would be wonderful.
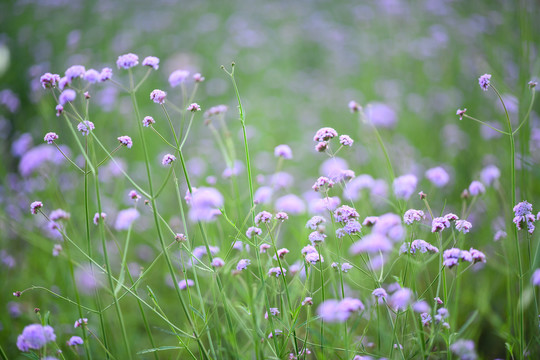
(269, 179)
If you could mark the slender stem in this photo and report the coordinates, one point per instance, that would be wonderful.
(485, 124)
(67, 158)
(108, 156)
(526, 117)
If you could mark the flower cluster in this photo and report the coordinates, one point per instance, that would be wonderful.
(523, 216)
(452, 256)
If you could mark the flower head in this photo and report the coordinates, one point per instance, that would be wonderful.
(253, 231)
(67, 95)
(168, 159)
(80, 322)
(484, 81)
(85, 127)
(217, 262)
(263, 217)
(194, 107)
(105, 74)
(92, 76)
(476, 188)
(126, 141)
(49, 80)
(346, 140)
(158, 96)
(127, 61)
(243, 264)
(198, 78)
(74, 340)
(35, 336)
(75, 71)
(148, 120)
(276, 271)
(404, 186)
(413, 215)
(151, 61)
(283, 151)
(50, 137)
(463, 225)
(177, 77)
(35, 206)
(97, 217)
(184, 284)
(354, 106)
(438, 176)
(460, 113)
(325, 134)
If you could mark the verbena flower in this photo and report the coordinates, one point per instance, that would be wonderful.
(313, 258)
(49, 80)
(460, 113)
(276, 271)
(59, 214)
(98, 218)
(158, 96)
(307, 301)
(184, 284)
(370, 220)
(217, 262)
(273, 311)
(194, 107)
(345, 267)
(321, 146)
(354, 106)
(35, 206)
(168, 159)
(127, 61)
(371, 244)
(105, 74)
(322, 183)
(421, 307)
(400, 299)
(57, 249)
(133, 195)
(535, 278)
(438, 176)
(439, 224)
(339, 311)
(243, 264)
(75, 71)
(67, 95)
(490, 174)
(263, 217)
(282, 216)
(325, 134)
(346, 140)
(177, 77)
(381, 115)
(75, 340)
(413, 215)
(151, 61)
(283, 151)
(464, 349)
(379, 293)
(291, 204)
(92, 76)
(59, 110)
(316, 237)
(125, 218)
(476, 188)
(50, 137)
(404, 186)
(523, 216)
(263, 248)
(126, 141)
(85, 127)
(484, 81)
(148, 120)
(205, 203)
(253, 231)
(463, 225)
(35, 337)
(345, 213)
(198, 78)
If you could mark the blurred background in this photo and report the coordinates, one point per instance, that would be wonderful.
(298, 64)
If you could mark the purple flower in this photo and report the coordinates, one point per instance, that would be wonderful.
(307, 301)
(263, 217)
(370, 221)
(371, 244)
(535, 279)
(325, 134)
(49, 80)
(425, 318)
(158, 96)
(198, 78)
(354, 106)
(92, 76)
(85, 127)
(253, 231)
(463, 225)
(50, 137)
(460, 113)
(57, 249)
(263, 195)
(381, 115)
(35, 206)
(205, 203)
(315, 221)
(151, 61)
(316, 237)
(439, 224)
(476, 188)
(59, 214)
(281, 253)
(438, 176)
(313, 258)
(484, 81)
(148, 120)
(282, 216)
(125, 218)
(67, 95)
(291, 204)
(59, 110)
(75, 71)
(80, 322)
(97, 217)
(339, 311)
(263, 248)
(345, 267)
(216, 110)
(322, 146)
(464, 349)
(346, 140)
(477, 256)
(184, 284)
(413, 215)
(35, 336)
(133, 195)
(390, 225)
(243, 264)
(352, 227)
(106, 74)
(421, 307)
(523, 216)
(74, 340)
(345, 214)
(127, 61)
(379, 293)
(217, 262)
(404, 186)
(194, 107)
(168, 159)
(276, 271)
(177, 77)
(126, 141)
(490, 174)
(322, 182)
(273, 311)
(283, 151)
(400, 299)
